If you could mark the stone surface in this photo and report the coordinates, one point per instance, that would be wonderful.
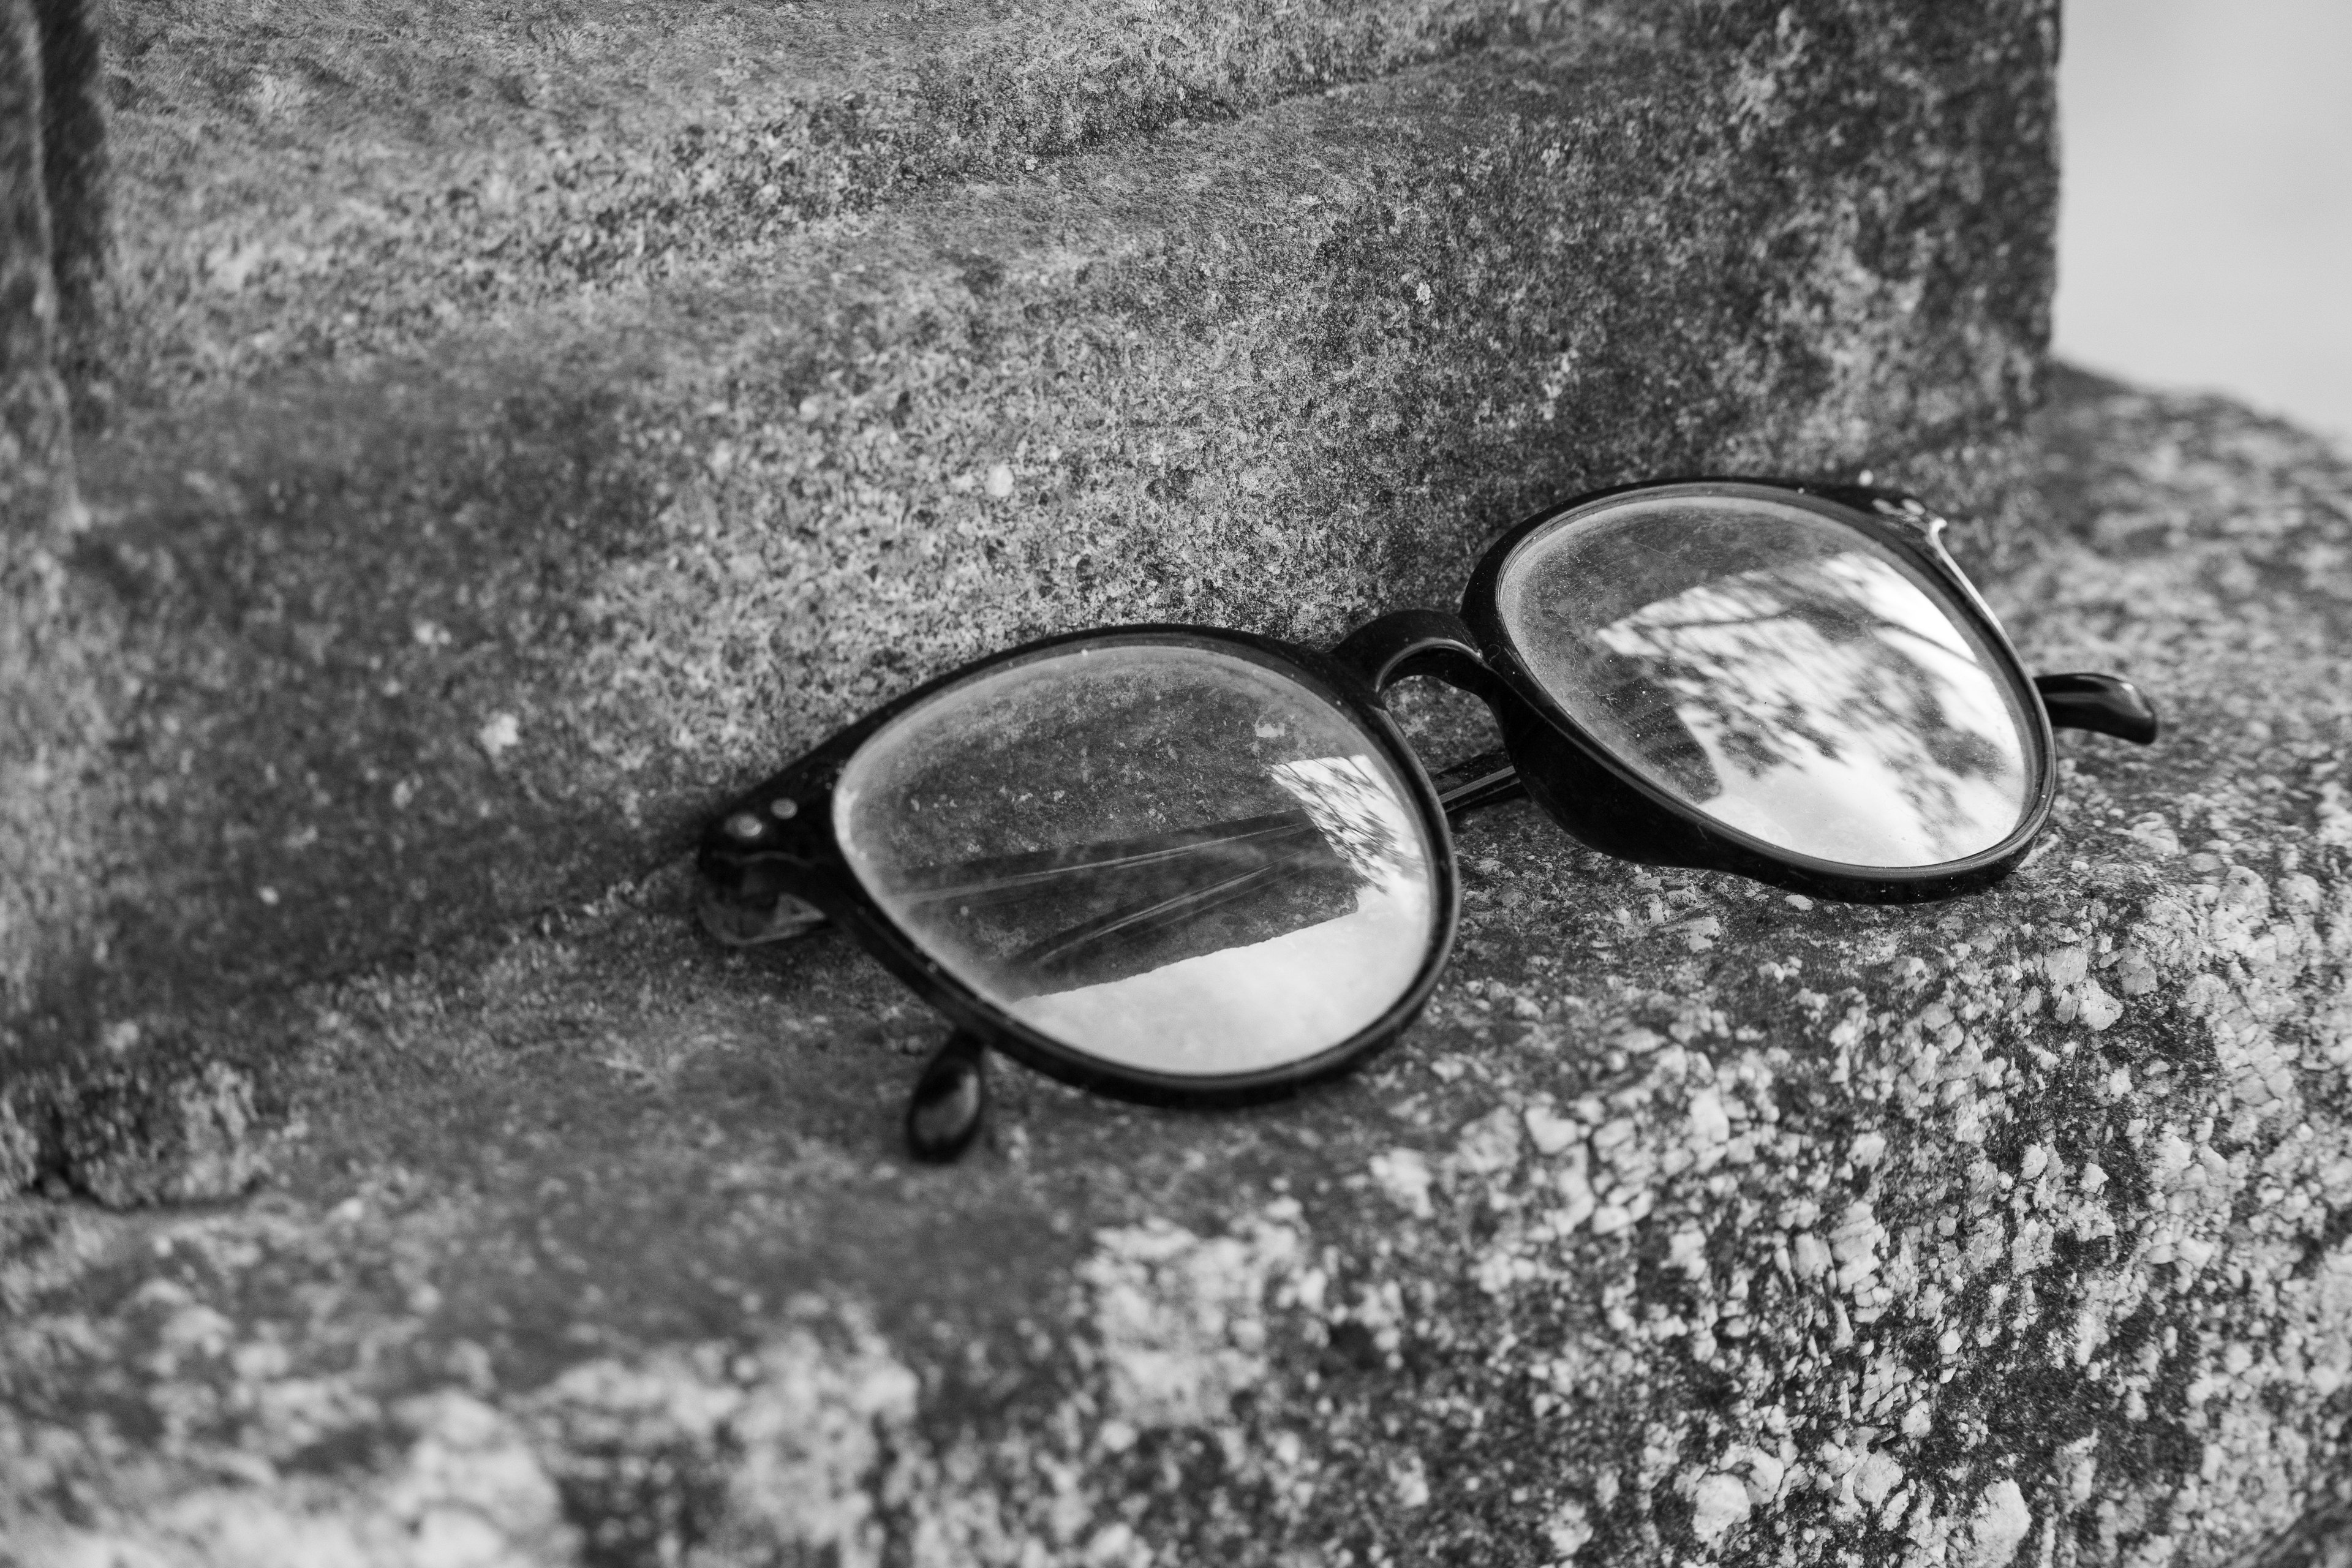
(55, 632)
(1695, 1223)
(53, 248)
(36, 444)
(535, 421)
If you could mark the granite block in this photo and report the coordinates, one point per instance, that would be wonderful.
(1695, 1222)
(497, 481)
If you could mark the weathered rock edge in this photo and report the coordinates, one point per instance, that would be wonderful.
(1695, 1222)
(53, 719)
(395, 176)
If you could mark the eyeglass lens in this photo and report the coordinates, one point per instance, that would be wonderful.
(1787, 674)
(1160, 853)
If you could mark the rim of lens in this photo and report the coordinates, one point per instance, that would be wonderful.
(1920, 550)
(1125, 1080)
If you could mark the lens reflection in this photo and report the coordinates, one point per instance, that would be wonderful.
(1161, 852)
(1787, 674)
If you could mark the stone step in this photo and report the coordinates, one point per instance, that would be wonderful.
(1693, 1223)
(424, 630)
(395, 174)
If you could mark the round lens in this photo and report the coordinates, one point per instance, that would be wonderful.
(1161, 853)
(1784, 672)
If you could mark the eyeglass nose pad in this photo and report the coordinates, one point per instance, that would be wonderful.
(738, 921)
(949, 1100)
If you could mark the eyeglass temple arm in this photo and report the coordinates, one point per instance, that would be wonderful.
(1475, 782)
(2108, 704)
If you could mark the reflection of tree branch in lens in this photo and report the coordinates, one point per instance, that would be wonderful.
(1001, 879)
(982, 794)
(1834, 626)
(1005, 879)
(1644, 707)
(1218, 911)
(1890, 702)
(1293, 869)
(1068, 950)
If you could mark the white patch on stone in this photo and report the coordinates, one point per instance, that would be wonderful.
(2034, 1246)
(1709, 1126)
(2066, 965)
(1857, 1235)
(1490, 1145)
(1182, 1317)
(1412, 1484)
(799, 1430)
(470, 1459)
(2335, 817)
(1568, 1530)
(1719, 1502)
(502, 733)
(1403, 1174)
(1996, 1527)
(1551, 1133)
(2077, 1464)
(1577, 1200)
(1763, 1471)
(469, 1493)
(2157, 834)
(1875, 1479)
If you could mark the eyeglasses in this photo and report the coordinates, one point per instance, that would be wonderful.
(1188, 865)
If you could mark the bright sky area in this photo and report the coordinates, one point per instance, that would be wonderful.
(2205, 235)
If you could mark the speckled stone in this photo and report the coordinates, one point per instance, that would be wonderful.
(532, 426)
(53, 250)
(36, 442)
(54, 720)
(534, 423)
(1695, 1223)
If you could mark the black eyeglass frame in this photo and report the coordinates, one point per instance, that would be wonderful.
(804, 847)
(1577, 779)
(1599, 798)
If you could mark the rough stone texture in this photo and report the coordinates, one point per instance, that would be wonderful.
(1695, 1223)
(53, 247)
(55, 632)
(36, 444)
(396, 170)
(534, 421)
(76, 171)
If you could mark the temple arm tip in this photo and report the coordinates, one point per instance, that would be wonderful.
(2105, 703)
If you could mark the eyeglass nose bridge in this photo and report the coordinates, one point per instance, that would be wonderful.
(1407, 643)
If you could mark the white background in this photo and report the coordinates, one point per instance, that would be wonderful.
(2205, 226)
